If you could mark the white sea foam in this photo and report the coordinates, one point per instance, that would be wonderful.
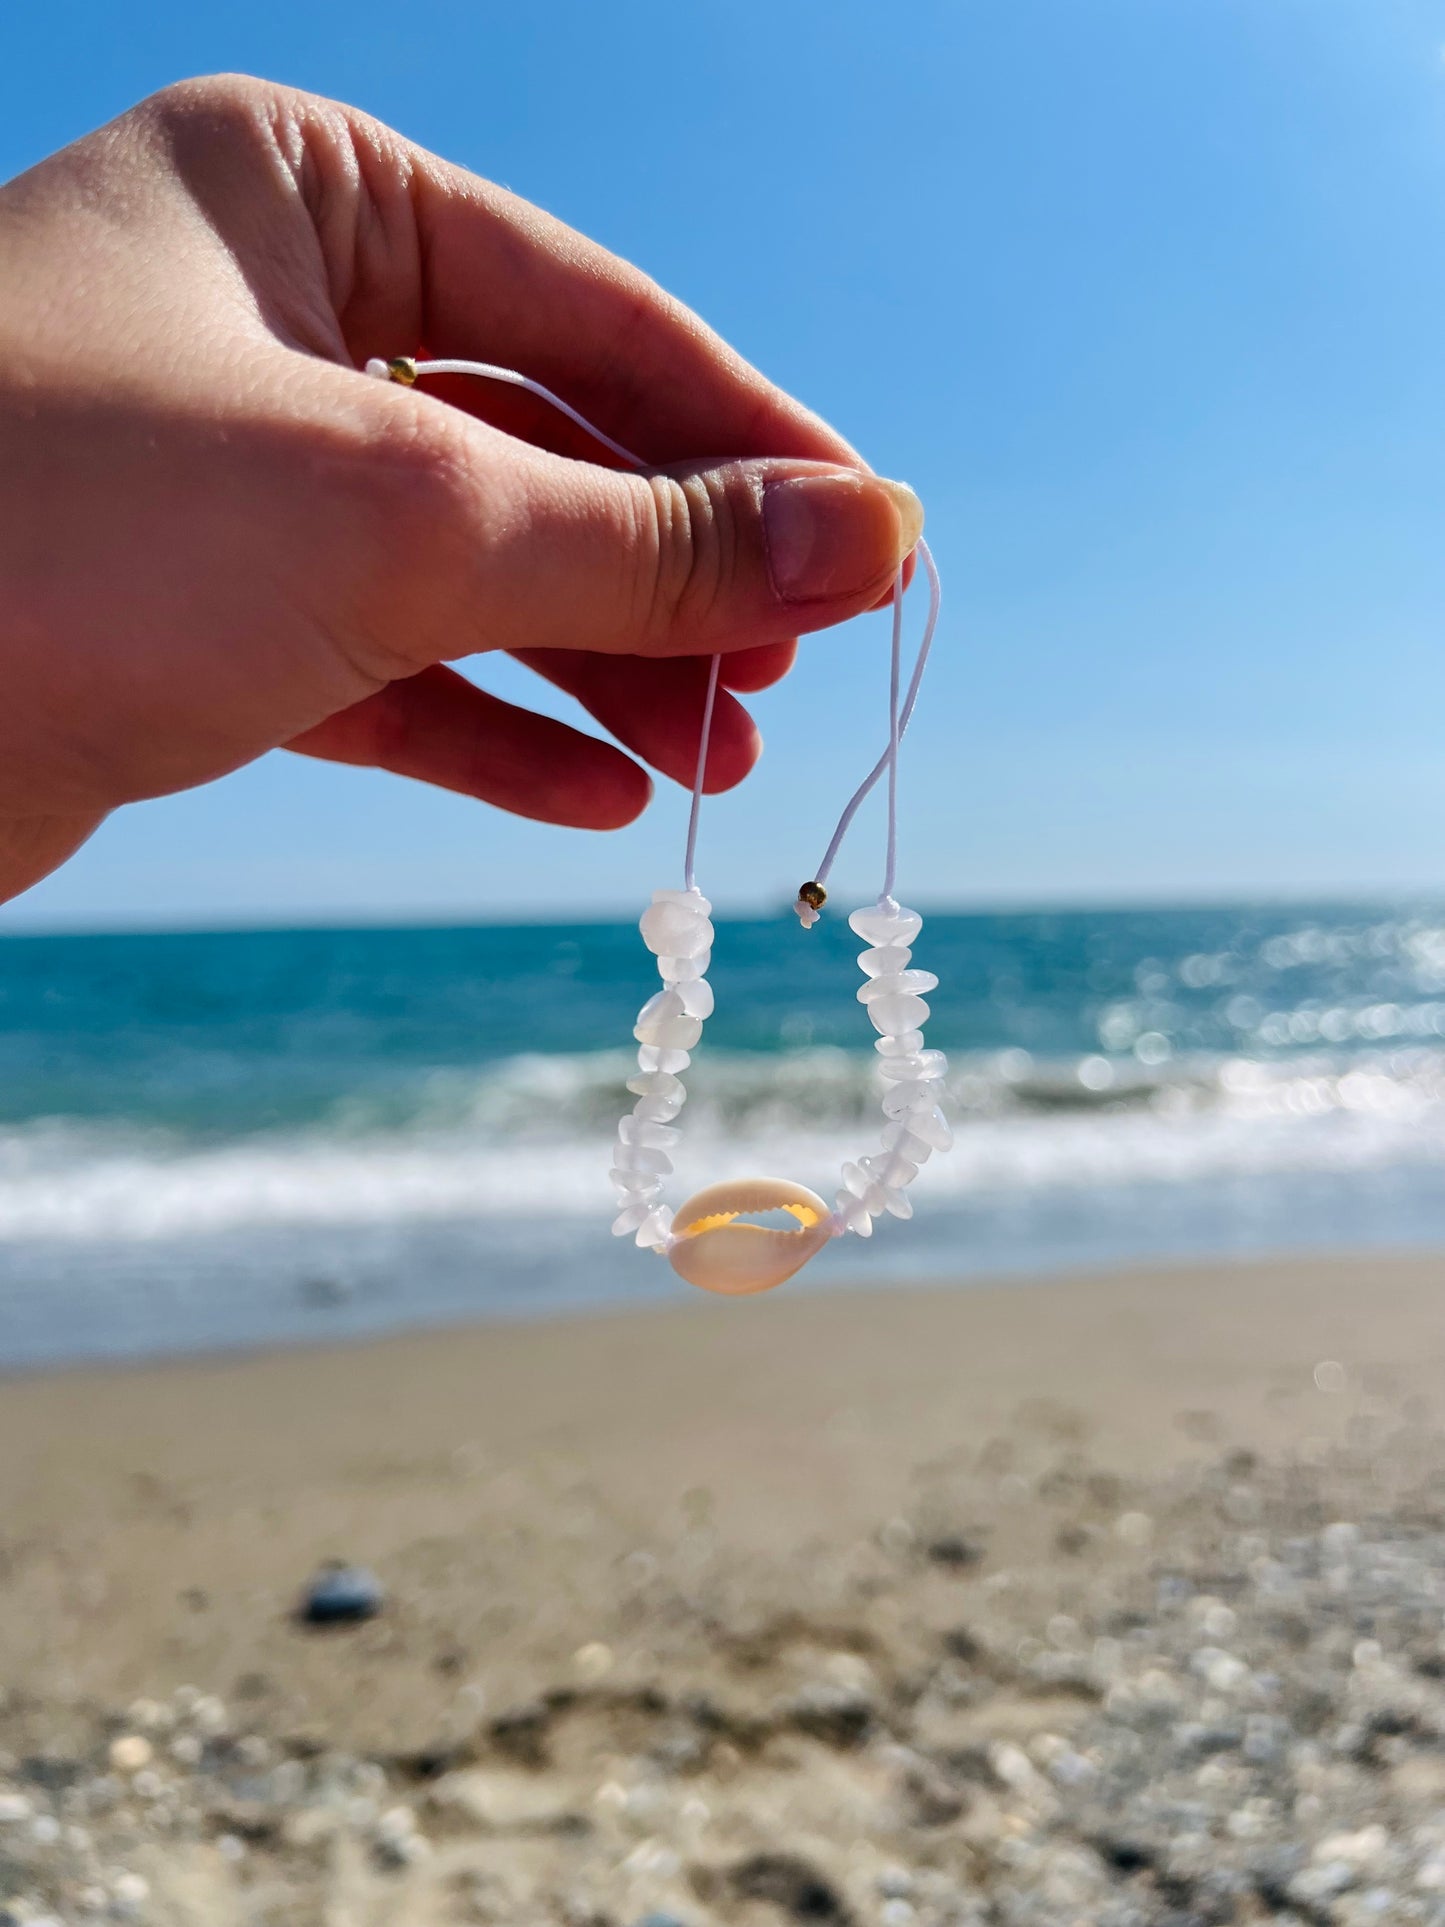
(529, 1142)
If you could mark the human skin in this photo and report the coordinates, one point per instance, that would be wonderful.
(217, 537)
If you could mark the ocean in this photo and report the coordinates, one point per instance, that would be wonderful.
(260, 1137)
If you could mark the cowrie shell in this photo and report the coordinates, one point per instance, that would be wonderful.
(712, 1250)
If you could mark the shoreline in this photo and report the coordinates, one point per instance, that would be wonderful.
(1157, 1267)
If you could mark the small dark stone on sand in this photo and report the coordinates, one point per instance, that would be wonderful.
(837, 1716)
(1125, 1853)
(341, 1596)
(434, 1761)
(786, 1881)
(521, 1733)
(960, 1643)
(955, 1551)
(51, 1771)
(933, 1800)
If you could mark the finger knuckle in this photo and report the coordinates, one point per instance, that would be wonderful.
(690, 559)
(419, 535)
(215, 102)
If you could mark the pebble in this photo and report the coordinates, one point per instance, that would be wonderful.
(1315, 1885)
(1134, 1528)
(397, 1840)
(341, 1595)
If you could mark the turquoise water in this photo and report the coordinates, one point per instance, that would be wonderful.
(247, 1137)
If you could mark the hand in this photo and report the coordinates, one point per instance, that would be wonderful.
(217, 537)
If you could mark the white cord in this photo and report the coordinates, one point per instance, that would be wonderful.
(689, 865)
(895, 676)
(510, 375)
(905, 717)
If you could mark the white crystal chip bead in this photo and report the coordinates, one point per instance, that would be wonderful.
(640, 1157)
(885, 922)
(660, 1095)
(862, 1186)
(892, 1170)
(682, 970)
(884, 960)
(910, 983)
(929, 1127)
(854, 1215)
(906, 1044)
(676, 924)
(894, 1014)
(658, 1084)
(655, 1231)
(629, 1186)
(653, 1057)
(659, 1110)
(697, 998)
(664, 1022)
(915, 1094)
(930, 1064)
(865, 1183)
(895, 1199)
(899, 1141)
(648, 1131)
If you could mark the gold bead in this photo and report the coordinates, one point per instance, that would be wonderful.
(403, 369)
(814, 895)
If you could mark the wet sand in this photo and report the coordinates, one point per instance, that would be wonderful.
(801, 1608)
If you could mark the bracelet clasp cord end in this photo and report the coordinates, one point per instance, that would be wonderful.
(808, 903)
(402, 368)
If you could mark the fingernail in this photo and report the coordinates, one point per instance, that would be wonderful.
(831, 535)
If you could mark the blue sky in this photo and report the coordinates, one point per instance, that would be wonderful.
(1145, 297)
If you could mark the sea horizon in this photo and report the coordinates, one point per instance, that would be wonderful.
(733, 909)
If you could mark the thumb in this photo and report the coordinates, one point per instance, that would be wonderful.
(511, 547)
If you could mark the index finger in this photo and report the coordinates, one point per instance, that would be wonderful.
(478, 273)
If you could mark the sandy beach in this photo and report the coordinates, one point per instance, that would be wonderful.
(1108, 1598)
